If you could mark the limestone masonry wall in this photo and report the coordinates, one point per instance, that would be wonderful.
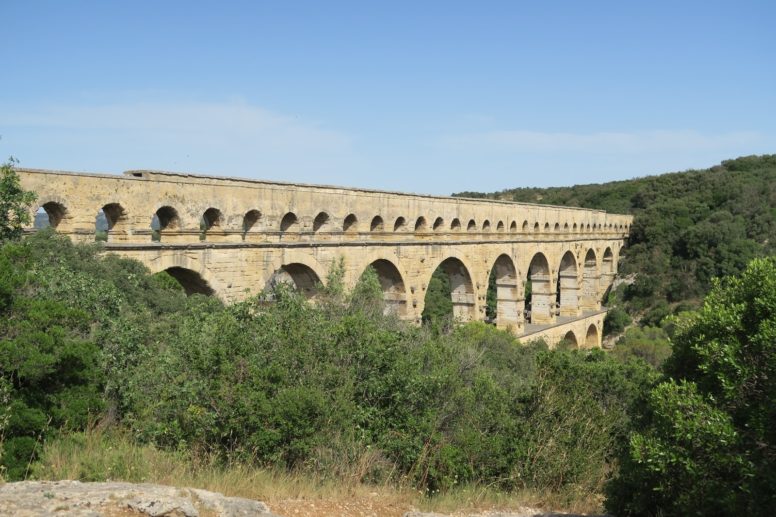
(234, 237)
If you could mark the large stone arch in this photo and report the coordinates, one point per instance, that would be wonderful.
(540, 309)
(299, 276)
(462, 288)
(393, 285)
(567, 297)
(191, 281)
(293, 256)
(591, 278)
(592, 337)
(193, 276)
(570, 340)
(508, 296)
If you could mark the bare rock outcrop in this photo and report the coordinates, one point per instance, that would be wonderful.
(73, 498)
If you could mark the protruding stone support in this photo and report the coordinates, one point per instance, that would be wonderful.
(508, 307)
(463, 305)
(605, 282)
(569, 294)
(590, 299)
(542, 300)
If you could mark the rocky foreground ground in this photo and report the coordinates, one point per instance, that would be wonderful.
(73, 498)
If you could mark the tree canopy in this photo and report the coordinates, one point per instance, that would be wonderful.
(14, 203)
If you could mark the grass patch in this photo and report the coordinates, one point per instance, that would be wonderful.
(112, 455)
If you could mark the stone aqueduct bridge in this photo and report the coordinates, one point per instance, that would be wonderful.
(233, 237)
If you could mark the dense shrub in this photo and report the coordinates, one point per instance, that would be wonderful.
(290, 384)
(58, 304)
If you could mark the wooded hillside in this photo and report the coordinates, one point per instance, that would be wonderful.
(688, 227)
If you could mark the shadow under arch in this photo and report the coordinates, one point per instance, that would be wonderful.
(569, 341)
(298, 276)
(591, 339)
(191, 281)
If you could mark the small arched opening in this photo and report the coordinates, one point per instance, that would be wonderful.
(456, 225)
(211, 220)
(165, 220)
(350, 225)
(536, 227)
(377, 224)
(471, 226)
(500, 226)
(400, 224)
(50, 214)
(525, 226)
(513, 227)
(438, 224)
(289, 223)
(115, 216)
(321, 223)
(420, 224)
(557, 227)
(110, 218)
(486, 226)
(250, 222)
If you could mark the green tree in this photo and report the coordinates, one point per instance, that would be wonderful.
(706, 443)
(14, 203)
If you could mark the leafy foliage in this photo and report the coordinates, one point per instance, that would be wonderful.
(291, 384)
(14, 204)
(706, 442)
(59, 308)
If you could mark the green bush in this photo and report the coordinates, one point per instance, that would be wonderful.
(321, 387)
(615, 321)
(649, 344)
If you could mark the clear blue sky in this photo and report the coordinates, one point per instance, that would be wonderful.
(421, 96)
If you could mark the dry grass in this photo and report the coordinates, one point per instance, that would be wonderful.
(99, 455)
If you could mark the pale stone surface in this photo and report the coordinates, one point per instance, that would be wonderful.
(260, 232)
(73, 498)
